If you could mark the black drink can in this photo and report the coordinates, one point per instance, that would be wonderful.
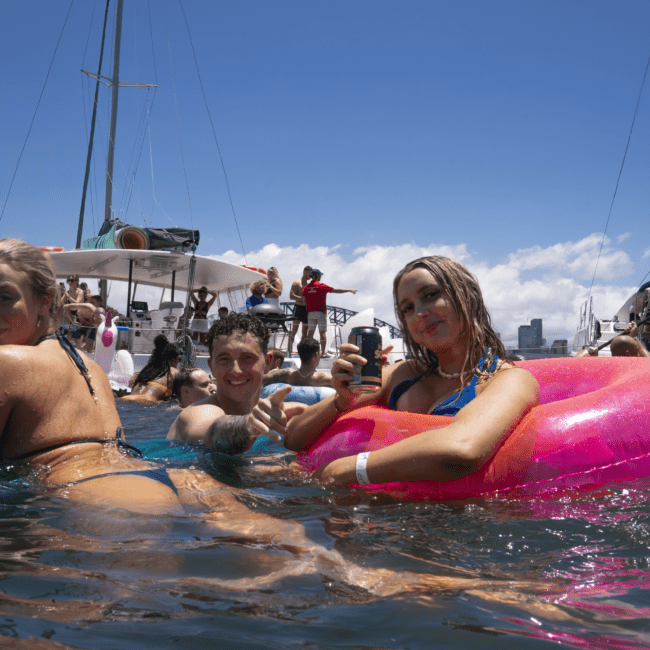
(368, 340)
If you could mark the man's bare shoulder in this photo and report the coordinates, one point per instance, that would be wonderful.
(279, 376)
(321, 379)
(193, 421)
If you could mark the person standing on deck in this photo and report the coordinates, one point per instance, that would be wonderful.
(74, 295)
(201, 307)
(300, 310)
(315, 294)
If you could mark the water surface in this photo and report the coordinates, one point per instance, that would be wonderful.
(510, 574)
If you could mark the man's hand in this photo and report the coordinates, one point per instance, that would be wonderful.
(269, 417)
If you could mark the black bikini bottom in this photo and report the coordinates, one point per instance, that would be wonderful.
(158, 474)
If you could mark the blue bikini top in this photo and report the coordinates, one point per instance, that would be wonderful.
(446, 407)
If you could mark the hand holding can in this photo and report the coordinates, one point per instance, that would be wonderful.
(368, 340)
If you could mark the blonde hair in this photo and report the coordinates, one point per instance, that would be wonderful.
(465, 294)
(36, 265)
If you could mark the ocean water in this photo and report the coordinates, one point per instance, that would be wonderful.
(500, 573)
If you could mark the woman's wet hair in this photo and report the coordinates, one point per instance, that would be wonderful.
(159, 363)
(36, 265)
(476, 325)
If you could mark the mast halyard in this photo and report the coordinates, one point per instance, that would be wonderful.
(114, 83)
(115, 88)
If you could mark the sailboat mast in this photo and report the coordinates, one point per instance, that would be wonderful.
(114, 88)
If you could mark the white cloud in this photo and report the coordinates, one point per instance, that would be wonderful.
(575, 259)
(549, 283)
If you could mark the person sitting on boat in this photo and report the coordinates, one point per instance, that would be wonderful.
(201, 308)
(191, 385)
(273, 287)
(223, 312)
(154, 382)
(234, 416)
(257, 289)
(306, 375)
(628, 344)
(456, 367)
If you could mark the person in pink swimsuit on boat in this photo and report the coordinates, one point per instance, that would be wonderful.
(456, 367)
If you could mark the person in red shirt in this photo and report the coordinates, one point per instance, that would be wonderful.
(315, 294)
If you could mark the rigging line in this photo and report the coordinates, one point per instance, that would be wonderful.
(90, 27)
(618, 180)
(223, 167)
(178, 126)
(83, 66)
(155, 74)
(92, 133)
(47, 76)
(132, 169)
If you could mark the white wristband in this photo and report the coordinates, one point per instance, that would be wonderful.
(362, 474)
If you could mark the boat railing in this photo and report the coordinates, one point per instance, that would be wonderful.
(339, 316)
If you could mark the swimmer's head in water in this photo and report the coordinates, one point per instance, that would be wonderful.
(239, 324)
(465, 294)
(36, 265)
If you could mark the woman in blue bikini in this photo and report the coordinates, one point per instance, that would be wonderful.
(456, 367)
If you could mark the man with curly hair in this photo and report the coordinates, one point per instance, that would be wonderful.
(233, 417)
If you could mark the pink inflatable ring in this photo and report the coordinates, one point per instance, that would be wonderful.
(592, 427)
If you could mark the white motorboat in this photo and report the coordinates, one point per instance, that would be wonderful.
(597, 333)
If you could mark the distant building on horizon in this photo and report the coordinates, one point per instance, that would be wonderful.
(560, 346)
(532, 344)
(530, 336)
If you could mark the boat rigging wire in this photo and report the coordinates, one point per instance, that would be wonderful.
(92, 130)
(31, 124)
(223, 167)
(178, 126)
(85, 78)
(618, 180)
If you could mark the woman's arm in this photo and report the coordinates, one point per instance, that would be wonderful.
(303, 429)
(451, 452)
(277, 291)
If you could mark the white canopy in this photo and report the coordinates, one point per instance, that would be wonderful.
(153, 268)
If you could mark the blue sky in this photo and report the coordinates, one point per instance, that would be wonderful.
(356, 135)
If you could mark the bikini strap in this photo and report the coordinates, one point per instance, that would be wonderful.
(118, 440)
(76, 358)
